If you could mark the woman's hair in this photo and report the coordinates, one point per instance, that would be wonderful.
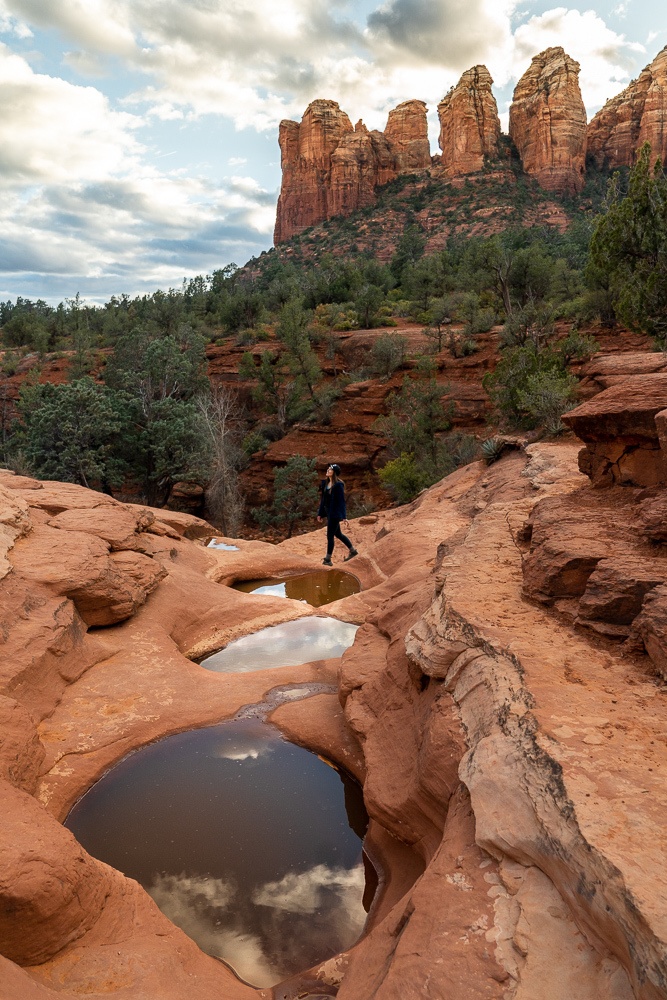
(336, 471)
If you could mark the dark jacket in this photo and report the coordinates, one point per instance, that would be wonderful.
(332, 504)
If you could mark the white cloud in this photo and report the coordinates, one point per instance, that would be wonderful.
(52, 130)
(100, 25)
(10, 25)
(607, 59)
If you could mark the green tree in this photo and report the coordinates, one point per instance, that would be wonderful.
(294, 495)
(416, 417)
(403, 477)
(528, 386)
(72, 432)
(629, 248)
(274, 388)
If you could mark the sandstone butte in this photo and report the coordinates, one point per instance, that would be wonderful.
(331, 169)
(469, 124)
(503, 705)
(633, 117)
(548, 122)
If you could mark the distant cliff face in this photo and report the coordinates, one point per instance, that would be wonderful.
(635, 116)
(469, 123)
(330, 168)
(548, 122)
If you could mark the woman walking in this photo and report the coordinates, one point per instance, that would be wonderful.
(332, 506)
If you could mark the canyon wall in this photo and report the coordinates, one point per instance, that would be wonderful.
(548, 122)
(633, 117)
(469, 123)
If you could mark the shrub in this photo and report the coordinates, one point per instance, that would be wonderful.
(254, 442)
(403, 477)
(546, 396)
(528, 386)
(388, 354)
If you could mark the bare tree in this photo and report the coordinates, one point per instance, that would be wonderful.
(222, 421)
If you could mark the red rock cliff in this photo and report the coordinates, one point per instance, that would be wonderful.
(633, 117)
(407, 132)
(469, 123)
(331, 169)
(548, 122)
(306, 162)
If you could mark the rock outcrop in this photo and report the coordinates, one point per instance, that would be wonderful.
(407, 134)
(469, 124)
(512, 767)
(306, 151)
(624, 428)
(548, 122)
(635, 116)
(331, 169)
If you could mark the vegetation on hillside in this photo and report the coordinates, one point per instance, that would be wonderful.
(137, 412)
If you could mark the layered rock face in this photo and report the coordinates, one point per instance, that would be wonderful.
(306, 151)
(331, 169)
(469, 123)
(548, 122)
(407, 133)
(633, 117)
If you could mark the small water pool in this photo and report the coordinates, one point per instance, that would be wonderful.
(286, 645)
(253, 846)
(224, 546)
(317, 588)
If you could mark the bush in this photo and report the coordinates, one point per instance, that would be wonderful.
(254, 442)
(404, 478)
(388, 354)
(577, 347)
(529, 386)
(546, 396)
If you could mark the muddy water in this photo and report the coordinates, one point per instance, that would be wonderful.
(287, 645)
(250, 844)
(318, 588)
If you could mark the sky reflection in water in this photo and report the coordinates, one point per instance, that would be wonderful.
(250, 844)
(286, 645)
(317, 588)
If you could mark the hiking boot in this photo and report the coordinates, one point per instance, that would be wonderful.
(327, 561)
(351, 554)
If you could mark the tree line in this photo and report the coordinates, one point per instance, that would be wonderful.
(138, 407)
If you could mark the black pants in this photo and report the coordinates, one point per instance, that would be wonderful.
(333, 531)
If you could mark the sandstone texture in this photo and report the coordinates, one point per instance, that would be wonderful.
(622, 429)
(633, 117)
(511, 749)
(330, 168)
(548, 122)
(469, 124)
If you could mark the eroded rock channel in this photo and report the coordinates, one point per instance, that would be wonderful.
(510, 745)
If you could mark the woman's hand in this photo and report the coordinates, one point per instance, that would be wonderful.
(319, 518)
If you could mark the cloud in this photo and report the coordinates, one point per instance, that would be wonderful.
(446, 33)
(51, 130)
(307, 892)
(284, 925)
(607, 59)
(100, 25)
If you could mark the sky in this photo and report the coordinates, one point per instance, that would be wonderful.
(139, 138)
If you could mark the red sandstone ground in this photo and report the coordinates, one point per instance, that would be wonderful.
(511, 752)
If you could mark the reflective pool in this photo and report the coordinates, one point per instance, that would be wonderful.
(250, 844)
(286, 645)
(224, 546)
(317, 588)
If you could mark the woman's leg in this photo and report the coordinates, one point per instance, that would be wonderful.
(339, 534)
(331, 531)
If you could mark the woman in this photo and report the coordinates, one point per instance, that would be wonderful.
(332, 506)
